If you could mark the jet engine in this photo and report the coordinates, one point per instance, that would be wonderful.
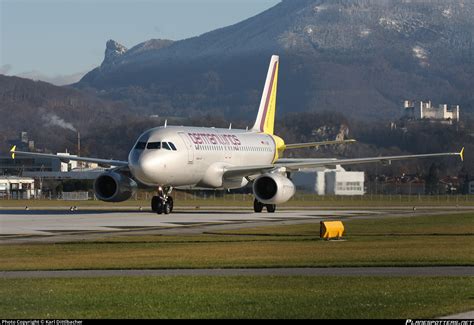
(114, 187)
(273, 189)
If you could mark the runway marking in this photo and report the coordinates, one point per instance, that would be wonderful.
(49, 225)
(40, 223)
(432, 271)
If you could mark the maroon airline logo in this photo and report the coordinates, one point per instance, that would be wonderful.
(211, 138)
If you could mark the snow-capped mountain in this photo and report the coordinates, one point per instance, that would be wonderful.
(361, 57)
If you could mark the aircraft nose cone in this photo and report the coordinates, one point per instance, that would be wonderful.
(146, 165)
(142, 168)
(146, 169)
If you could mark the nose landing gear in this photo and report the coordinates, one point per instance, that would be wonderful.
(163, 202)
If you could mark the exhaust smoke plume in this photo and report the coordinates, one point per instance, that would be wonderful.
(52, 119)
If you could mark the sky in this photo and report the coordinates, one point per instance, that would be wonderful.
(62, 38)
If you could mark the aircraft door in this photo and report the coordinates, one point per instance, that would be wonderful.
(189, 146)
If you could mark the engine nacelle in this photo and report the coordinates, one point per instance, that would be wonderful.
(114, 187)
(273, 189)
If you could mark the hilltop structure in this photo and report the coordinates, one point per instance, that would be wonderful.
(425, 110)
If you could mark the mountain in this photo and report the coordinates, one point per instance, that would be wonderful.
(53, 115)
(57, 80)
(358, 57)
(116, 53)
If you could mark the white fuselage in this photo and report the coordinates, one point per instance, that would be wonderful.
(196, 157)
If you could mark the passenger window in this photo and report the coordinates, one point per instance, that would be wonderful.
(172, 146)
(140, 145)
(154, 145)
(166, 146)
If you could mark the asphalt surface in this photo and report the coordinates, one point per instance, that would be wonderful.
(53, 225)
(467, 315)
(61, 225)
(330, 271)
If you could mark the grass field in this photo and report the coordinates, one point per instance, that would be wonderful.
(235, 297)
(417, 241)
(424, 240)
(241, 200)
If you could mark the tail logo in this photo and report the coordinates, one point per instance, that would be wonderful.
(268, 118)
(266, 112)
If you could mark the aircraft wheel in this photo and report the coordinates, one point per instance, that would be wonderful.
(171, 203)
(160, 207)
(271, 208)
(167, 208)
(154, 203)
(257, 206)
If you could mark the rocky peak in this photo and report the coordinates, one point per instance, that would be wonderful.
(150, 45)
(113, 50)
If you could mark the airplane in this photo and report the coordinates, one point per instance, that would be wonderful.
(183, 157)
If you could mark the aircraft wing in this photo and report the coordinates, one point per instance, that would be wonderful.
(246, 171)
(109, 162)
(316, 144)
(298, 164)
(313, 163)
(283, 161)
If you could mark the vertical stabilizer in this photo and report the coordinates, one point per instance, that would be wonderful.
(266, 112)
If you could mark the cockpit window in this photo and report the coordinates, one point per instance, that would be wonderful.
(154, 145)
(140, 145)
(166, 146)
(172, 146)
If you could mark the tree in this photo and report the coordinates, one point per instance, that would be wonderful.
(432, 179)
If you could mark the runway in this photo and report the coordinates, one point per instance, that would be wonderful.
(61, 225)
(330, 271)
(53, 225)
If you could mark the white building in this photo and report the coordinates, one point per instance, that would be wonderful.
(70, 165)
(330, 181)
(344, 183)
(425, 110)
(17, 187)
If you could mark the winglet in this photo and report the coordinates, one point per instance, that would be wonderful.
(12, 150)
(461, 154)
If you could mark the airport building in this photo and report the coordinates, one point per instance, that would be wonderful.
(17, 166)
(18, 176)
(330, 181)
(67, 166)
(13, 187)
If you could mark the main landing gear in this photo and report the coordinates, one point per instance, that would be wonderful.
(163, 202)
(258, 206)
